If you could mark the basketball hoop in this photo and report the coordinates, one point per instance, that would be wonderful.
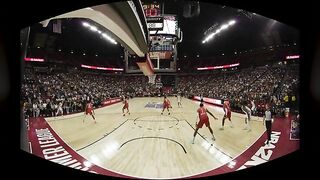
(152, 78)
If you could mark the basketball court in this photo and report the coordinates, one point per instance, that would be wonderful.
(150, 145)
(147, 144)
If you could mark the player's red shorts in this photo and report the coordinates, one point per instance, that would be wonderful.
(228, 114)
(126, 106)
(204, 120)
(166, 106)
(89, 111)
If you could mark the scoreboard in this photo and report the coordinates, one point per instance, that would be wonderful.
(159, 23)
(152, 9)
(164, 34)
(170, 26)
(155, 23)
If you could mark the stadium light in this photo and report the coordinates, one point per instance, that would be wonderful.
(85, 24)
(232, 22)
(95, 29)
(223, 27)
(109, 38)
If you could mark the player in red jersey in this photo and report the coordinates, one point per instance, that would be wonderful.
(166, 104)
(203, 119)
(227, 113)
(125, 106)
(89, 110)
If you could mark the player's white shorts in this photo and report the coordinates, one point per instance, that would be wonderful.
(59, 111)
(247, 115)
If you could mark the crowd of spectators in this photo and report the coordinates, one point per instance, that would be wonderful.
(277, 85)
(41, 92)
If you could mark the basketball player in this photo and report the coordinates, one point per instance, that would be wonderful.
(253, 107)
(267, 120)
(166, 104)
(247, 112)
(227, 113)
(203, 119)
(89, 110)
(201, 98)
(126, 106)
(59, 111)
(179, 100)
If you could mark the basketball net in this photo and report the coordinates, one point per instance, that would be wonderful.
(152, 78)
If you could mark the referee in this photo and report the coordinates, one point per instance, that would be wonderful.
(267, 120)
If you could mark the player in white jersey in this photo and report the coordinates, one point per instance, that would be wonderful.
(179, 100)
(247, 112)
(59, 109)
(253, 107)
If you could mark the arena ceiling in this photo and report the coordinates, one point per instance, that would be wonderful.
(250, 31)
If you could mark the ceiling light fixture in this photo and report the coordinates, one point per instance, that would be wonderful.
(95, 29)
(222, 27)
